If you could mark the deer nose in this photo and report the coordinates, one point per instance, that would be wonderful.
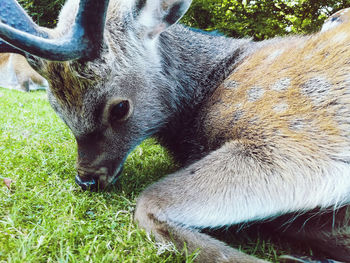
(88, 183)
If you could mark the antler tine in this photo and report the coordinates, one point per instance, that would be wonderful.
(12, 14)
(83, 41)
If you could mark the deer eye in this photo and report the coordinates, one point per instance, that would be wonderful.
(119, 111)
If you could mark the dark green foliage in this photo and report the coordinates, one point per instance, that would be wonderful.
(44, 12)
(261, 19)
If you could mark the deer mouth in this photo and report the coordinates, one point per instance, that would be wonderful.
(86, 184)
(94, 182)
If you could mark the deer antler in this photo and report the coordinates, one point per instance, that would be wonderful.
(84, 40)
(12, 14)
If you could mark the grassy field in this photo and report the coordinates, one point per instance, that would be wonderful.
(45, 217)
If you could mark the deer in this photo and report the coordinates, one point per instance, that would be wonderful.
(260, 129)
(16, 73)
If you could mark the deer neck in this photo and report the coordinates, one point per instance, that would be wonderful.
(194, 64)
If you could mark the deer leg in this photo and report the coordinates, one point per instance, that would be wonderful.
(177, 207)
(210, 249)
(229, 186)
(25, 86)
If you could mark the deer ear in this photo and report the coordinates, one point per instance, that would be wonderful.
(157, 15)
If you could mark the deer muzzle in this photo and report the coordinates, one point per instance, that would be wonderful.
(95, 181)
(86, 184)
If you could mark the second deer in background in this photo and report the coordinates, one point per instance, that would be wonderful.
(16, 73)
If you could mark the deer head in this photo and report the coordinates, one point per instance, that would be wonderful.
(103, 68)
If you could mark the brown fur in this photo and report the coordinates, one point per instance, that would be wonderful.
(4, 58)
(293, 64)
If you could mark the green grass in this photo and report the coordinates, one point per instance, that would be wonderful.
(45, 217)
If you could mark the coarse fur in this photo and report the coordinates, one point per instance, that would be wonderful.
(16, 73)
(261, 129)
